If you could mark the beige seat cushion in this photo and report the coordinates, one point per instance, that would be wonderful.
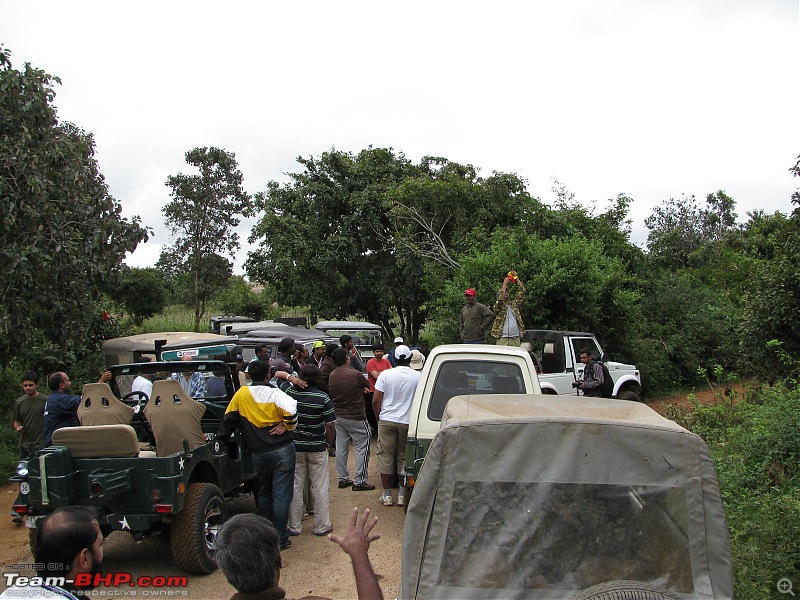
(98, 441)
(174, 416)
(99, 406)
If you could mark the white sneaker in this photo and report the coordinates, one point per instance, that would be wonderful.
(400, 499)
(386, 500)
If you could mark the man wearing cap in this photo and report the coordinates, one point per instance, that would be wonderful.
(391, 402)
(318, 353)
(390, 357)
(475, 319)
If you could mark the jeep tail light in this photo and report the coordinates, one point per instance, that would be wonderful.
(20, 509)
(163, 509)
(155, 496)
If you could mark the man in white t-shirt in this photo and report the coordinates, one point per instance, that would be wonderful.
(142, 383)
(394, 391)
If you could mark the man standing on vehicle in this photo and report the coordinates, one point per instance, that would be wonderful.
(391, 402)
(266, 417)
(28, 422)
(346, 388)
(508, 327)
(476, 319)
(592, 384)
(61, 408)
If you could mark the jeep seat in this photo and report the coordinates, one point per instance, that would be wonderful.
(551, 362)
(98, 441)
(174, 417)
(99, 406)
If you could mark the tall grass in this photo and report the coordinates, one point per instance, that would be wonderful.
(174, 318)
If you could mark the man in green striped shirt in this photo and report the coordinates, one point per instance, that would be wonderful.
(313, 436)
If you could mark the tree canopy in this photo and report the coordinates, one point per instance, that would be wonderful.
(62, 235)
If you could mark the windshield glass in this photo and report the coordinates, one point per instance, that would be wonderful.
(457, 377)
(565, 536)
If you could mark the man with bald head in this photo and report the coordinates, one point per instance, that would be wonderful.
(61, 408)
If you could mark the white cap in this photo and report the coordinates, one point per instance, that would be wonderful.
(398, 340)
(402, 352)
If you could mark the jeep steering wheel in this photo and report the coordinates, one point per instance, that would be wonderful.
(137, 406)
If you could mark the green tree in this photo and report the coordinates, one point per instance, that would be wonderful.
(61, 233)
(772, 298)
(141, 293)
(196, 290)
(683, 234)
(202, 216)
(325, 240)
(238, 298)
(570, 284)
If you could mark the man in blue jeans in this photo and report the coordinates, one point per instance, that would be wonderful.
(266, 416)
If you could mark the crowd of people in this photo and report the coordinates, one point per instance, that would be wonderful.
(294, 411)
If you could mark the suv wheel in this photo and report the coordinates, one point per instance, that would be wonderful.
(194, 530)
(629, 395)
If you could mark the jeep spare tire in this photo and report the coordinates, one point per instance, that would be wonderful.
(193, 532)
(624, 590)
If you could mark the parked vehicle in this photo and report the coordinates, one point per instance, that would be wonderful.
(556, 354)
(217, 324)
(131, 348)
(540, 496)
(364, 334)
(148, 465)
(453, 370)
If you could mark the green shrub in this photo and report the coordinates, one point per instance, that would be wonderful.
(755, 443)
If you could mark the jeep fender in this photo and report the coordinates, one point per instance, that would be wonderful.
(626, 382)
(548, 388)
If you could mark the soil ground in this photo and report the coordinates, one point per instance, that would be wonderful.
(312, 566)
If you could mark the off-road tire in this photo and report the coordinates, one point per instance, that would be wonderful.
(194, 529)
(624, 590)
(629, 395)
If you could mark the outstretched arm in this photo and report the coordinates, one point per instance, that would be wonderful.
(355, 542)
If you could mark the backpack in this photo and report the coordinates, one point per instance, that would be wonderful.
(607, 390)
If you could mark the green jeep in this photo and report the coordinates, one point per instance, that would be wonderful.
(147, 464)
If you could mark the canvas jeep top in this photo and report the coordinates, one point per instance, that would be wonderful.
(548, 496)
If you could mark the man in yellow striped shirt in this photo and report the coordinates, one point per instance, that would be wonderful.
(266, 416)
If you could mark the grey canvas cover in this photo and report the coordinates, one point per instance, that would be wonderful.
(529, 496)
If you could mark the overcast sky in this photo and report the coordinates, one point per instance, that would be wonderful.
(651, 98)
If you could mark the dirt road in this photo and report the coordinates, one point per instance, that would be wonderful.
(312, 566)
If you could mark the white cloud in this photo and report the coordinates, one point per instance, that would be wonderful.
(641, 97)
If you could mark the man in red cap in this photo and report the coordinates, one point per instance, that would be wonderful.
(475, 319)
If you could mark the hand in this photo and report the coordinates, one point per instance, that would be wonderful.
(107, 376)
(358, 536)
(279, 429)
(298, 383)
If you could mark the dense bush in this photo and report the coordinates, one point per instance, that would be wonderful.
(755, 442)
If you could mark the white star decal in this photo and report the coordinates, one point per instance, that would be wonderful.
(124, 523)
(180, 463)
